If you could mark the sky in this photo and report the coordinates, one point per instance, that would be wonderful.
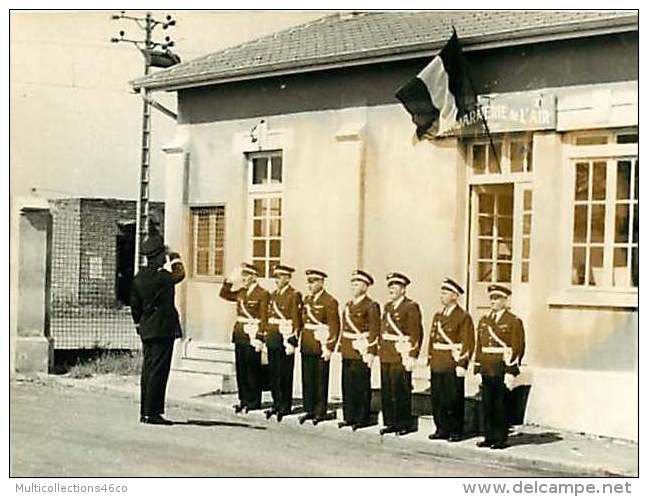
(75, 124)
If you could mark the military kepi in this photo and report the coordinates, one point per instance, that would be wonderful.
(152, 246)
(498, 291)
(315, 274)
(398, 279)
(282, 269)
(247, 268)
(359, 275)
(452, 286)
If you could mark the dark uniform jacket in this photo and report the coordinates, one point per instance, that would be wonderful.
(458, 327)
(325, 310)
(289, 304)
(365, 316)
(256, 304)
(510, 330)
(152, 301)
(407, 316)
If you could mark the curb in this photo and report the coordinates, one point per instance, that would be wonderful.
(435, 449)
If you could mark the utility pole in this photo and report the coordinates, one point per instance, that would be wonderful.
(156, 54)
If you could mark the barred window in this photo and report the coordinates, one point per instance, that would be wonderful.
(208, 230)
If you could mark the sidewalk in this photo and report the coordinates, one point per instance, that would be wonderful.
(531, 446)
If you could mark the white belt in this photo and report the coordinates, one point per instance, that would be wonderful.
(445, 346)
(278, 321)
(312, 327)
(353, 336)
(394, 338)
(243, 320)
(494, 350)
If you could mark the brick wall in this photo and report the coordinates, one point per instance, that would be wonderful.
(99, 226)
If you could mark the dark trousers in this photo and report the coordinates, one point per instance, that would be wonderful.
(248, 375)
(315, 380)
(494, 407)
(356, 391)
(156, 364)
(396, 394)
(280, 367)
(448, 402)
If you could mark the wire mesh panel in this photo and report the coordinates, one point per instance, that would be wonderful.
(93, 254)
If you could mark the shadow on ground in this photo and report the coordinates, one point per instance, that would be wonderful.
(543, 438)
(208, 422)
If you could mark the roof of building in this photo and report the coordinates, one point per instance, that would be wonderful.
(345, 39)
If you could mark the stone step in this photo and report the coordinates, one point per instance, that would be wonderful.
(209, 351)
(222, 383)
(207, 366)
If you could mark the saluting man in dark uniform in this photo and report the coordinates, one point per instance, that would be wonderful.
(321, 319)
(500, 348)
(400, 342)
(152, 301)
(359, 346)
(248, 334)
(284, 328)
(452, 342)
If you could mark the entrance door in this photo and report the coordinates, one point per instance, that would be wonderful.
(500, 244)
(125, 258)
(492, 252)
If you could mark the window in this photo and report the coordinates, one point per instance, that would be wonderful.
(605, 228)
(495, 236)
(526, 235)
(266, 207)
(507, 154)
(208, 231)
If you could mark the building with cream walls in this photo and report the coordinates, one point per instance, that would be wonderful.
(293, 147)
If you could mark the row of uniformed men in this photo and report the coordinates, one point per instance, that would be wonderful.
(281, 323)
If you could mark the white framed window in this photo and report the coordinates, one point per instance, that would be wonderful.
(208, 240)
(509, 154)
(605, 210)
(265, 191)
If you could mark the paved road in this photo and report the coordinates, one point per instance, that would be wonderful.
(58, 431)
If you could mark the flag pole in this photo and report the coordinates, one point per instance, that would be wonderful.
(479, 108)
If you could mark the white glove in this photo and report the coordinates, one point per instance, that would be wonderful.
(461, 372)
(369, 359)
(289, 349)
(422, 361)
(234, 275)
(257, 344)
(167, 264)
(408, 363)
(326, 353)
(509, 379)
(479, 377)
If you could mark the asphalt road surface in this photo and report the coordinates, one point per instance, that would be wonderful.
(58, 431)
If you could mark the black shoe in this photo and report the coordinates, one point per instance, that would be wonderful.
(388, 429)
(499, 445)
(485, 443)
(238, 408)
(304, 418)
(438, 436)
(342, 424)
(406, 431)
(455, 437)
(358, 426)
(155, 420)
(280, 416)
(269, 413)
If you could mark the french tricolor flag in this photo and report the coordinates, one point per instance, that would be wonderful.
(434, 96)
